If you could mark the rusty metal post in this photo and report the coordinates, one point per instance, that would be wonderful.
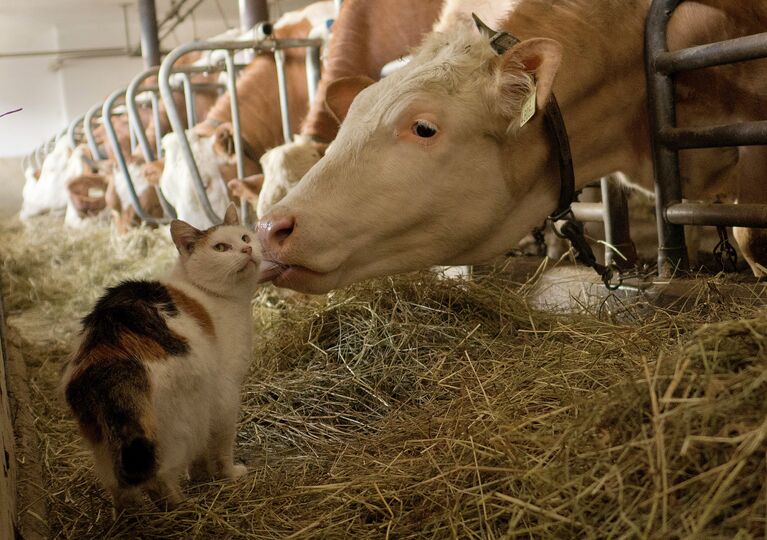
(672, 252)
(253, 12)
(616, 220)
(150, 41)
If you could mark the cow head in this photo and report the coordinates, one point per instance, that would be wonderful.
(177, 182)
(422, 170)
(284, 166)
(87, 194)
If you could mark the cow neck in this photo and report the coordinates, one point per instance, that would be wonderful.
(555, 128)
(559, 143)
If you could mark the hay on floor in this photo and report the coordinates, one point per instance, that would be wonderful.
(417, 407)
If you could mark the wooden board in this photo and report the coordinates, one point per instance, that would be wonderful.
(7, 447)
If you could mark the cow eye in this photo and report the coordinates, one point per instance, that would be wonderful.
(246, 238)
(222, 247)
(424, 129)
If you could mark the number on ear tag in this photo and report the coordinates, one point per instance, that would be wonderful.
(528, 109)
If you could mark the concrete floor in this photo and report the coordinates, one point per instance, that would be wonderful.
(11, 184)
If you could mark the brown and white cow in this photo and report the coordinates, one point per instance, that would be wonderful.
(432, 165)
(367, 35)
(212, 140)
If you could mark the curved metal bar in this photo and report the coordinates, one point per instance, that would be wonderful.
(235, 106)
(106, 112)
(166, 68)
(191, 113)
(38, 156)
(72, 131)
(133, 115)
(88, 128)
(25, 162)
(157, 122)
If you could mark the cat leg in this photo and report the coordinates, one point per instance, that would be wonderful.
(165, 492)
(221, 447)
(125, 500)
(199, 470)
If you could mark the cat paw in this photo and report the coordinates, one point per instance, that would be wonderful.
(238, 470)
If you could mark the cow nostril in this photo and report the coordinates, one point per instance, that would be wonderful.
(275, 231)
(281, 234)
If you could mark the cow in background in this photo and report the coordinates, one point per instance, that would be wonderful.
(366, 36)
(212, 140)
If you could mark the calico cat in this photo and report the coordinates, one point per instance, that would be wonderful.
(155, 382)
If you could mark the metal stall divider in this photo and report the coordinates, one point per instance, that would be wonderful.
(667, 139)
(276, 47)
(137, 128)
(72, 131)
(88, 128)
(107, 111)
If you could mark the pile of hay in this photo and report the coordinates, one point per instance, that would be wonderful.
(418, 407)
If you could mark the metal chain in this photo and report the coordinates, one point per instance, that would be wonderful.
(724, 253)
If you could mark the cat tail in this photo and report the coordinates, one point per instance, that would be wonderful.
(112, 402)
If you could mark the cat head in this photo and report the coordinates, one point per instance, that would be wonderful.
(223, 259)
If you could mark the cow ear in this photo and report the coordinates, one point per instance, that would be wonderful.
(223, 143)
(340, 94)
(184, 236)
(540, 57)
(231, 217)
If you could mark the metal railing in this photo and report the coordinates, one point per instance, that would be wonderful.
(277, 48)
(668, 139)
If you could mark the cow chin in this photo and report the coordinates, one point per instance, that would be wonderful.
(302, 279)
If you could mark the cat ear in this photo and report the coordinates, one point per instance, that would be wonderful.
(230, 218)
(184, 236)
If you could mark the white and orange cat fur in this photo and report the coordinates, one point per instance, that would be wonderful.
(155, 382)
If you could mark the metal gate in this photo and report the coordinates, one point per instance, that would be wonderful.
(668, 139)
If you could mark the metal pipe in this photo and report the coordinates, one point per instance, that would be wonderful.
(133, 114)
(72, 131)
(312, 71)
(282, 85)
(157, 123)
(88, 128)
(252, 12)
(742, 134)
(713, 54)
(237, 129)
(166, 91)
(120, 157)
(150, 42)
(718, 215)
(672, 252)
(191, 113)
(37, 157)
(616, 221)
(588, 212)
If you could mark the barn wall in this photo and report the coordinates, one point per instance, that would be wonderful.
(27, 83)
(52, 95)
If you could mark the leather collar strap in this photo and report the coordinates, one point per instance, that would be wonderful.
(555, 125)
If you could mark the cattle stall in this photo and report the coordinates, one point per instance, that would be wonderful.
(532, 397)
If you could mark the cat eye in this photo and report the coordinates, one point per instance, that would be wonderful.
(246, 238)
(221, 246)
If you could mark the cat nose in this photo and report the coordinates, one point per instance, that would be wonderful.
(247, 249)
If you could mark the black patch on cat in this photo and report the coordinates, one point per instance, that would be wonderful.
(109, 399)
(138, 307)
(138, 461)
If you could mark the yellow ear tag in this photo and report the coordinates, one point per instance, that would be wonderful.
(95, 192)
(528, 109)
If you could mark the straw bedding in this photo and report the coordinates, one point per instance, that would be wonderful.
(417, 407)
